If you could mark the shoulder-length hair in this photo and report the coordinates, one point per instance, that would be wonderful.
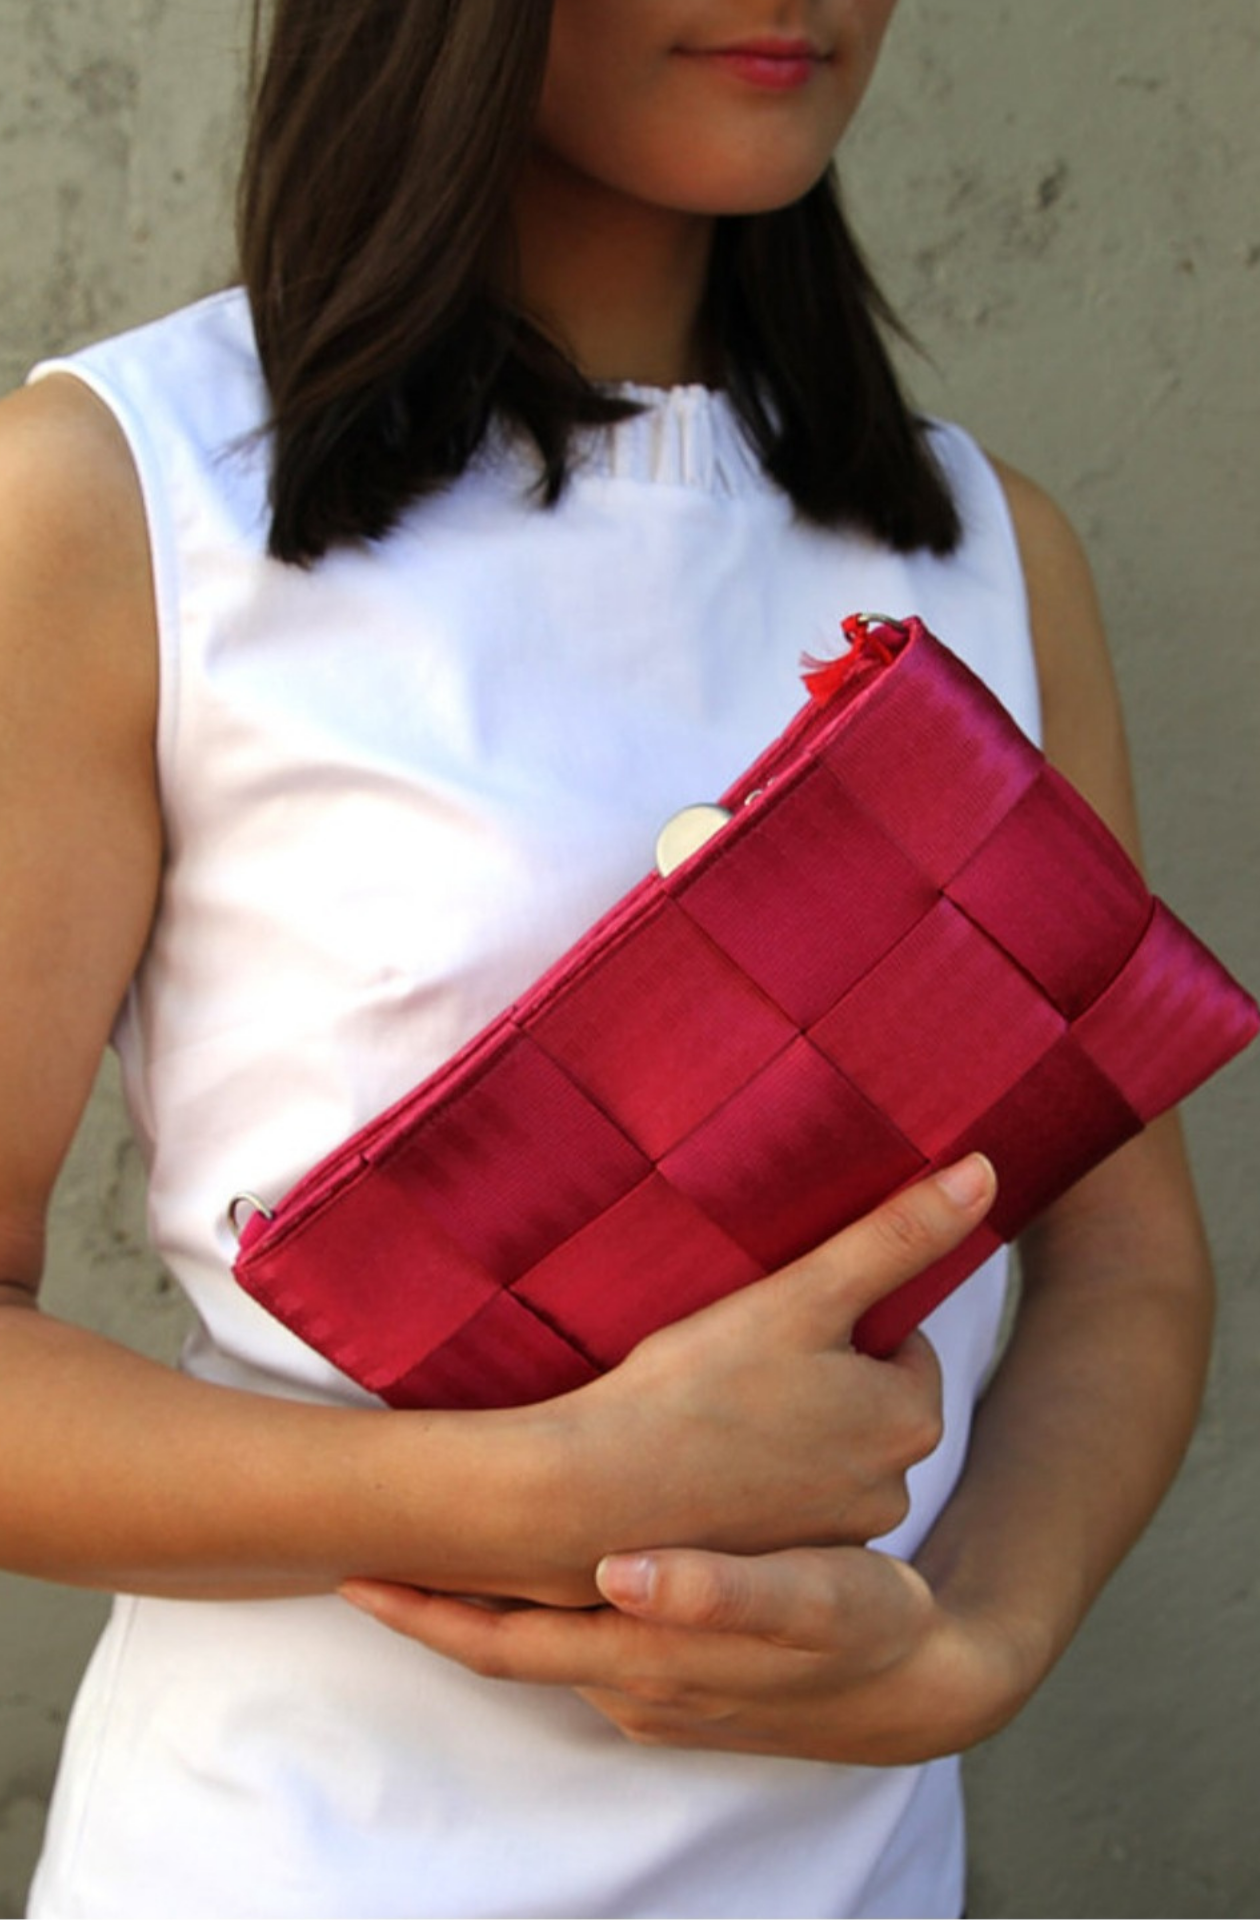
(385, 139)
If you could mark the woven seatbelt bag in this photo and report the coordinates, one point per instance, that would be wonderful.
(907, 937)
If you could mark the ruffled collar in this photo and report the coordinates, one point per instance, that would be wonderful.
(686, 436)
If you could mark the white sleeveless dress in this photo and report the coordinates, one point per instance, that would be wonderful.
(395, 787)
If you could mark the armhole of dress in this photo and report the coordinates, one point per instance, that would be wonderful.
(155, 485)
(983, 506)
(160, 521)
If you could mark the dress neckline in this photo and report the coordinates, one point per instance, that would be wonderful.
(684, 436)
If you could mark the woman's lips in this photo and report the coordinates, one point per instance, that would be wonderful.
(778, 66)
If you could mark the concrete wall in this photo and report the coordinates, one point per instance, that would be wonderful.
(1065, 201)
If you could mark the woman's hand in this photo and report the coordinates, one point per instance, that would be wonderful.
(747, 1453)
(753, 1425)
(839, 1654)
(748, 1427)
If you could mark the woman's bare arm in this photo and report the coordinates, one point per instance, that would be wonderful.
(1097, 1397)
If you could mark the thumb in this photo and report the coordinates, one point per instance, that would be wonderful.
(796, 1597)
(689, 1587)
(918, 1225)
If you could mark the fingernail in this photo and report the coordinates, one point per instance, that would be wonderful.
(969, 1181)
(358, 1596)
(627, 1579)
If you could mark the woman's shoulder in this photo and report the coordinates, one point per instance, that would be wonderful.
(78, 627)
(1083, 723)
(184, 387)
(996, 498)
(1048, 541)
(1063, 607)
(975, 472)
(74, 557)
(173, 412)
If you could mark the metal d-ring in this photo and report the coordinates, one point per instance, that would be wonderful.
(252, 1201)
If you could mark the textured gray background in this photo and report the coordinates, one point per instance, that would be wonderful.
(1064, 199)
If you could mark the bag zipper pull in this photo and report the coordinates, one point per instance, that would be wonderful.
(867, 647)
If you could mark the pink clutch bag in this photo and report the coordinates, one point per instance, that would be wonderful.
(907, 937)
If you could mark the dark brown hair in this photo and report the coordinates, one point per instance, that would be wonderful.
(385, 139)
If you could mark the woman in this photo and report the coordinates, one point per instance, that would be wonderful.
(333, 731)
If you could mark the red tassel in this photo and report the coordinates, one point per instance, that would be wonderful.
(867, 648)
(824, 678)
